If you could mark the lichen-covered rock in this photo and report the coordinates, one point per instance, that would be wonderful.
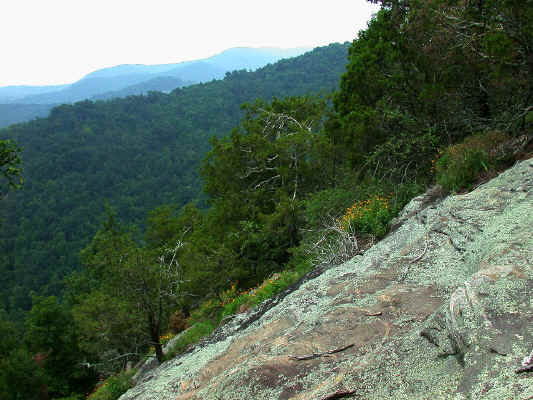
(439, 309)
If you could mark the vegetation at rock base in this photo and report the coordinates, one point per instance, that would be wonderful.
(112, 387)
(434, 91)
(463, 163)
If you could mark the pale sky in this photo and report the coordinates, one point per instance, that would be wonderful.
(45, 42)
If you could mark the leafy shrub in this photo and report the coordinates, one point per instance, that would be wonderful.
(403, 157)
(113, 387)
(462, 164)
(402, 194)
(361, 211)
(369, 216)
(328, 202)
(234, 306)
(269, 288)
(208, 310)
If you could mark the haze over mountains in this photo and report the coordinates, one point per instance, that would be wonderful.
(22, 103)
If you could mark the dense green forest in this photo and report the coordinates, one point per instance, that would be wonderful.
(133, 154)
(434, 91)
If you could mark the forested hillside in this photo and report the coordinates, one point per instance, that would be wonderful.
(159, 84)
(133, 154)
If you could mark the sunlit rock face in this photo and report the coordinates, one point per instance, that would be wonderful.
(439, 309)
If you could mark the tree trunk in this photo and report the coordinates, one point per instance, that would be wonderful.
(154, 336)
(159, 351)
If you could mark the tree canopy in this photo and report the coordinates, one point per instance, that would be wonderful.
(10, 171)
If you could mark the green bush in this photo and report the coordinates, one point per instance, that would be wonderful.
(464, 163)
(113, 387)
(402, 194)
(372, 213)
(369, 216)
(328, 202)
(208, 310)
(234, 306)
(196, 332)
(269, 288)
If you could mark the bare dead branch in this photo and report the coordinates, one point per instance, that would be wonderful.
(276, 122)
(93, 365)
(266, 181)
(404, 275)
(257, 170)
(339, 394)
(527, 368)
(335, 245)
(170, 271)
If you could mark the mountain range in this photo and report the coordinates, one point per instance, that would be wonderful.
(22, 103)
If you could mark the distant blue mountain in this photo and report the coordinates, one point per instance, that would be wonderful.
(104, 82)
(10, 94)
(159, 84)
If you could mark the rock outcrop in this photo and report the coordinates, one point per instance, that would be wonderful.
(439, 309)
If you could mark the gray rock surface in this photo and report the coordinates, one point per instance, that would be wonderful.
(439, 309)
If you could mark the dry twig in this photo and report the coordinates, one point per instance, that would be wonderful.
(373, 314)
(423, 253)
(527, 368)
(339, 394)
(326, 353)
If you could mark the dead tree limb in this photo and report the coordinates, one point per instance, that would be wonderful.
(92, 365)
(277, 122)
(335, 244)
